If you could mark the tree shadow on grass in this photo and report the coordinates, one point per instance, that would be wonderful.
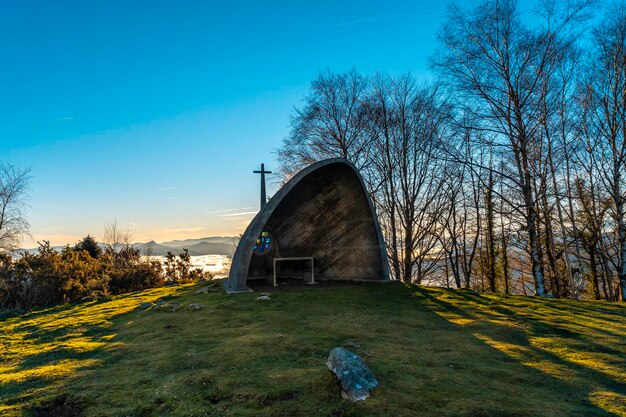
(42, 350)
(427, 363)
(38, 357)
(559, 318)
(436, 352)
(486, 320)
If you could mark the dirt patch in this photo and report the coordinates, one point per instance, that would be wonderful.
(61, 406)
(213, 399)
(297, 284)
(280, 396)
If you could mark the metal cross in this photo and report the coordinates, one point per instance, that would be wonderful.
(263, 172)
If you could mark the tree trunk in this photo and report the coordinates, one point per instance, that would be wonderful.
(608, 273)
(491, 247)
(593, 270)
(395, 259)
(621, 233)
(533, 237)
(550, 246)
(407, 272)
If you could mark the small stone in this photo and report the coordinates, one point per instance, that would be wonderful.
(194, 306)
(263, 298)
(164, 306)
(208, 288)
(352, 344)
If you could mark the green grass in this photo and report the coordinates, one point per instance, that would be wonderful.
(436, 352)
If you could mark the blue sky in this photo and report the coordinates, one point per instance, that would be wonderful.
(155, 113)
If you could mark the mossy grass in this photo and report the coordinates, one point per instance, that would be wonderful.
(436, 352)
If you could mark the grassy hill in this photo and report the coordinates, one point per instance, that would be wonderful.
(436, 352)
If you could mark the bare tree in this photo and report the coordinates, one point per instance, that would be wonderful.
(490, 232)
(605, 100)
(118, 245)
(406, 127)
(454, 224)
(115, 238)
(590, 231)
(14, 183)
(560, 138)
(498, 67)
(329, 125)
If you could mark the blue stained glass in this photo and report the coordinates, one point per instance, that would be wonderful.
(262, 243)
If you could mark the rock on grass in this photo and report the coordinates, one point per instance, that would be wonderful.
(356, 378)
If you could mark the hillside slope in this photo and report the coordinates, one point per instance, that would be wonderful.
(436, 352)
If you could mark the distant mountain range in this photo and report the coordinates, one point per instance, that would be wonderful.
(214, 245)
(196, 247)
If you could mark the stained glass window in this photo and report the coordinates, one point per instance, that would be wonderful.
(263, 244)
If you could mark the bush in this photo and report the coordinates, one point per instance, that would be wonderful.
(82, 272)
(178, 269)
(34, 279)
(137, 277)
(81, 275)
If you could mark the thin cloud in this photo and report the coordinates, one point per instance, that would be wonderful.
(244, 213)
(229, 210)
(176, 230)
(166, 189)
(66, 118)
(355, 22)
(367, 20)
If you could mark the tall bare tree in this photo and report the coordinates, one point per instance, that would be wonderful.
(407, 124)
(498, 67)
(606, 102)
(329, 125)
(14, 183)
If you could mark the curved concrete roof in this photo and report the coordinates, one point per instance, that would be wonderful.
(331, 193)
